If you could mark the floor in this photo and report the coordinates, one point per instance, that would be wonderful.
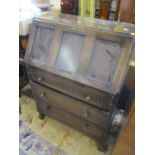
(50, 137)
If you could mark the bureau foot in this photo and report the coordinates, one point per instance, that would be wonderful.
(103, 148)
(41, 115)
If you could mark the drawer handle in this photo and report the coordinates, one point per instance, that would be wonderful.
(86, 114)
(88, 98)
(39, 78)
(86, 126)
(42, 95)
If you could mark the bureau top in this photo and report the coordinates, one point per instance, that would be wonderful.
(87, 22)
(90, 51)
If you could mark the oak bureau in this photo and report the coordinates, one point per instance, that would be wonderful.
(76, 68)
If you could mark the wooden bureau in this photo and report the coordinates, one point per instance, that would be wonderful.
(76, 67)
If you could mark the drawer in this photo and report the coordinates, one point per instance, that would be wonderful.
(73, 121)
(92, 96)
(69, 104)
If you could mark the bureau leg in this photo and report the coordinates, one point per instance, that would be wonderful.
(41, 115)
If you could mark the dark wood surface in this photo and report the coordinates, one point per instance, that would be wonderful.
(76, 107)
(104, 9)
(74, 121)
(123, 39)
(126, 11)
(26, 90)
(84, 101)
(23, 79)
(70, 7)
(125, 143)
(97, 98)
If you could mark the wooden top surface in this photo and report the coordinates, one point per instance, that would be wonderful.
(104, 25)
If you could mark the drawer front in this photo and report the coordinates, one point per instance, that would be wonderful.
(79, 91)
(87, 127)
(76, 107)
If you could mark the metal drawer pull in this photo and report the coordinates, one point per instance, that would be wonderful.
(87, 98)
(42, 95)
(39, 78)
(86, 114)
